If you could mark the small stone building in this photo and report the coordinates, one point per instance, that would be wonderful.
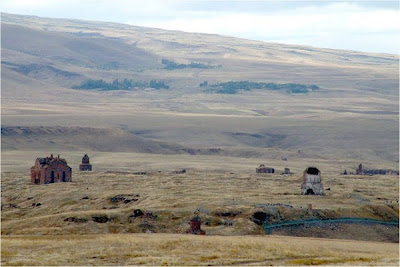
(50, 170)
(85, 166)
(263, 169)
(312, 182)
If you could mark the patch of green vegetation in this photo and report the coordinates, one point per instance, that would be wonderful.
(172, 65)
(124, 84)
(233, 87)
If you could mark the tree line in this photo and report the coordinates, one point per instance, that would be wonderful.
(116, 84)
(233, 87)
(172, 65)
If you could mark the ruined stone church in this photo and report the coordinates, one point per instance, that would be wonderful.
(50, 170)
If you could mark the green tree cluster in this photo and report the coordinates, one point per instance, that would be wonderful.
(233, 87)
(116, 84)
(171, 65)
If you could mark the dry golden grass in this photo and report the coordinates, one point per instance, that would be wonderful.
(352, 119)
(167, 249)
(175, 198)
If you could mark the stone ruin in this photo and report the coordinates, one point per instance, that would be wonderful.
(50, 170)
(312, 182)
(263, 169)
(361, 171)
(180, 171)
(286, 171)
(85, 166)
(195, 226)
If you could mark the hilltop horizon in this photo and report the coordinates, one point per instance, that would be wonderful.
(201, 33)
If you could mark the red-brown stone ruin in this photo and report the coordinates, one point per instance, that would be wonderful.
(50, 170)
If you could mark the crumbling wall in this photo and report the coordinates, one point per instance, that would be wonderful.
(312, 184)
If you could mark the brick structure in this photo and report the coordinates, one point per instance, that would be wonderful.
(50, 170)
(263, 169)
(312, 182)
(195, 226)
(85, 166)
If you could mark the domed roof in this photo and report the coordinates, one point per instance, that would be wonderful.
(85, 159)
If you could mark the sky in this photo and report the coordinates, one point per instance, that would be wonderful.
(370, 26)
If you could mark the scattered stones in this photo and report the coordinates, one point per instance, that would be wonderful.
(228, 213)
(100, 218)
(76, 220)
(12, 205)
(36, 204)
(274, 205)
(140, 173)
(259, 217)
(146, 227)
(86, 197)
(125, 198)
(139, 213)
(180, 171)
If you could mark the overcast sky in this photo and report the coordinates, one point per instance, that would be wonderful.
(372, 26)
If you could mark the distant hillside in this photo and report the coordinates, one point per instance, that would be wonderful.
(353, 115)
(65, 52)
(80, 138)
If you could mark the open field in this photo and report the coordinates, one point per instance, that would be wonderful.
(219, 139)
(175, 198)
(167, 249)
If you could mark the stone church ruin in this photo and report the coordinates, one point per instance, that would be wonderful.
(312, 182)
(263, 169)
(85, 166)
(50, 170)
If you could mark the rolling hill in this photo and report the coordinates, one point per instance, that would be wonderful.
(145, 103)
(353, 115)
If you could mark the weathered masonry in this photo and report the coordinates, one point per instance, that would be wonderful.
(312, 184)
(263, 169)
(85, 165)
(50, 170)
